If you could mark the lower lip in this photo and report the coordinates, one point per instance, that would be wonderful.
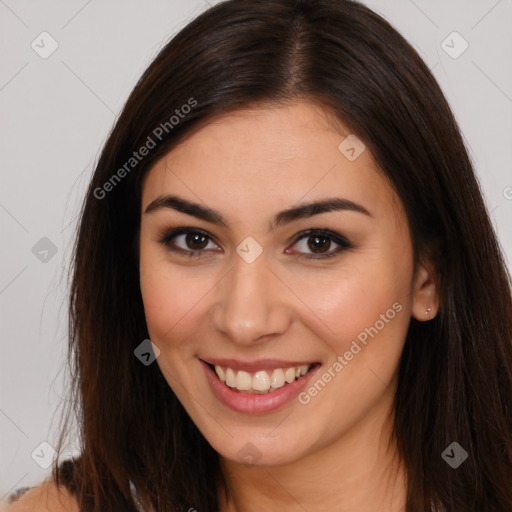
(252, 403)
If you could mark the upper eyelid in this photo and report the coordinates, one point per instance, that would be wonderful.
(336, 238)
(174, 232)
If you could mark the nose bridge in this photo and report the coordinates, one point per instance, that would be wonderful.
(250, 304)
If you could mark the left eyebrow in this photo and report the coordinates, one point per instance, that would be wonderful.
(302, 211)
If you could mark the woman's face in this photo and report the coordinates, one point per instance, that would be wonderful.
(267, 287)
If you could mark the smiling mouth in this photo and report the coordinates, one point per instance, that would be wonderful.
(262, 381)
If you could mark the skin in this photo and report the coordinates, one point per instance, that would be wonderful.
(333, 453)
(46, 497)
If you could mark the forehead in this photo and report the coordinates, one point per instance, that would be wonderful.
(267, 155)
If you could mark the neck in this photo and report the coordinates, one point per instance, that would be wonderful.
(359, 471)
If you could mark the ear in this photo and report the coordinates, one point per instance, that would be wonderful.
(425, 303)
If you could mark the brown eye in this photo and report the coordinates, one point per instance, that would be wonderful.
(189, 242)
(311, 244)
(196, 241)
(319, 244)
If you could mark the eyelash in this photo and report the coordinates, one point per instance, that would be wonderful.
(310, 233)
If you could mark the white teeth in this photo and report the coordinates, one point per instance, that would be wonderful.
(261, 381)
(220, 372)
(289, 375)
(230, 378)
(277, 378)
(243, 381)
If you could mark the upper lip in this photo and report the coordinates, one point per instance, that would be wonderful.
(260, 364)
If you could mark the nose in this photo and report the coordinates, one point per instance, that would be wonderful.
(251, 303)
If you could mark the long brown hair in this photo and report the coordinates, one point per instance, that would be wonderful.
(455, 374)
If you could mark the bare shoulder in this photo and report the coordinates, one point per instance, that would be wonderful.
(46, 497)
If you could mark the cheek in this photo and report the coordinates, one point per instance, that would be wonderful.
(171, 295)
(170, 303)
(362, 300)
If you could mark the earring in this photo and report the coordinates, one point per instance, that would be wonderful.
(427, 313)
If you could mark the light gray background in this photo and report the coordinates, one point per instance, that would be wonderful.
(56, 113)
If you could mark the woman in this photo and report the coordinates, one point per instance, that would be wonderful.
(287, 292)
